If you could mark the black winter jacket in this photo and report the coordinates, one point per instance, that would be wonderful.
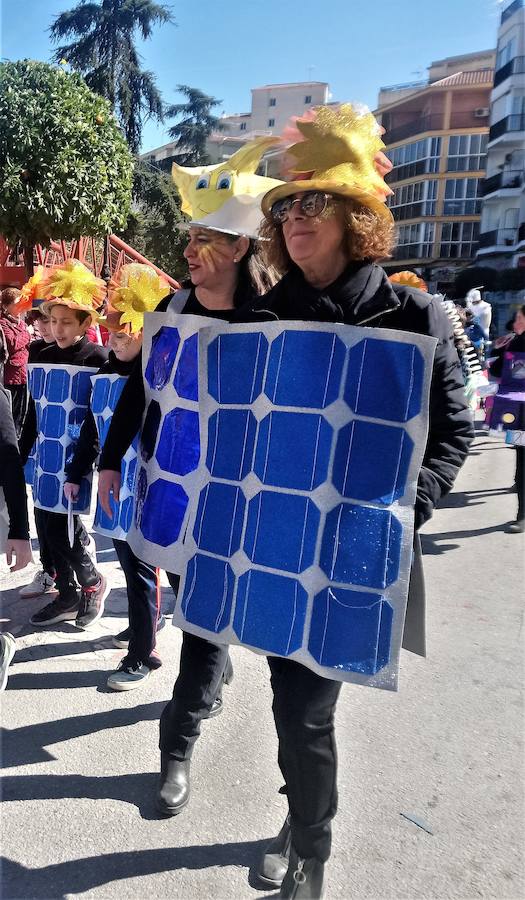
(11, 473)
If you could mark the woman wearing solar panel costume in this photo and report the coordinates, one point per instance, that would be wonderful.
(324, 230)
(223, 202)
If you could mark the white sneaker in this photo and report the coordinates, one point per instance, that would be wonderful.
(7, 651)
(42, 583)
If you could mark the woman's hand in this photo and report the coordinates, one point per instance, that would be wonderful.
(71, 490)
(108, 483)
(19, 553)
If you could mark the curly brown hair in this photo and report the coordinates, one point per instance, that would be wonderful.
(368, 236)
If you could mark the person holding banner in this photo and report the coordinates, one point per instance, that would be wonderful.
(325, 229)
(70, 291)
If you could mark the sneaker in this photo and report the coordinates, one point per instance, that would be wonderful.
(7, 651)
(122, 639)
(54, 612)
(42, 583)
(92, 604)
(128, 676)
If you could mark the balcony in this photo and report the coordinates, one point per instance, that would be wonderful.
(515, 66)
(507, 13)
(521, 233)
(418, 126)
(499, 237)
(512, 178)
(506, 125)
(468, 120)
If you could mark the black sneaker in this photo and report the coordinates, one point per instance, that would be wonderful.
(54, 612)
(92, 604)
(122, 639)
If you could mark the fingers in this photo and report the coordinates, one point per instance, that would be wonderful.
(108, 484)
(19, 552)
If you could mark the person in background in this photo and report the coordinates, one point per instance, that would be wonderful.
(17, 340)
(481, 311)
(14, 521)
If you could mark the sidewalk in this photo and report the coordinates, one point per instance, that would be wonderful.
(81, 761)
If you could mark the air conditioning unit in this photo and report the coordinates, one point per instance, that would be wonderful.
(481, 112)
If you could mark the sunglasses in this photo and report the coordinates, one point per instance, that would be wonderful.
(311, 204)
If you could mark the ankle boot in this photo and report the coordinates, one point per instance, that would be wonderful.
(274, 863)
(173, 793)
(304, 878)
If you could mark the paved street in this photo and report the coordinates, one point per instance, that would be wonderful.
(81, 761)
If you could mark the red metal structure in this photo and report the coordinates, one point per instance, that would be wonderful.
(104, 257)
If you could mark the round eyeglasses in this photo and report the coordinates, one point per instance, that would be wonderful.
(311, 204)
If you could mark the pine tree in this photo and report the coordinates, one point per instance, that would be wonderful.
(196, 123)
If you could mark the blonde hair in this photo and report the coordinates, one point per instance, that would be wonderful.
(367, 236)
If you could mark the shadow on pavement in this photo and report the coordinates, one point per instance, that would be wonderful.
(77, 876)
(61, 648)
(430, 545)
(26, 745)
(460, 499)
(45, 681)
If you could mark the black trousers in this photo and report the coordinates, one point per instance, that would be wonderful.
(18, 405)
(202, 670)
(143, 589)
(46, 557)
(69, 561)
(520, 481)
(303, 708)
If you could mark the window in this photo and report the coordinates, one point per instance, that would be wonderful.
(415, 241)
(413, 200)
(242, 126)
(459, 239)
(467, 152)
(461, 197)
(271, 123)
(308, 98)
(506, 53)
(272, 101)
(417, 158)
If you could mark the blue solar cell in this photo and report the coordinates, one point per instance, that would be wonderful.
(100, 395)
(208, 592)
(57, 385)
(393, 375)
(219, 520)
(81, 388)
(84, 494)
(102, 520)
(361, 545)
(116, 389)
(48, 490)
(163, 512)
(29, 469)
(305, 369)
(270, 612)
(37, 380)
(230, 358)
(77, 415)
(186, 380)
(306, 465)
(270, 541)
(371, 462)
(126, 514)
(351, 630)
(150, 430)
(53, 422)
(129, 475)
(164, 346)
(51, 456)
(140, 496)
(231, 439)
(178, 451)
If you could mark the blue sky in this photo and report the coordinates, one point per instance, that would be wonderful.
(225, 48)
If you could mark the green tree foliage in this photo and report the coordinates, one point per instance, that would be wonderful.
(105, 53)
(154, 227)
(196, 123)
(65, 167)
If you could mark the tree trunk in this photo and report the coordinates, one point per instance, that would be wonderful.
(28, 259)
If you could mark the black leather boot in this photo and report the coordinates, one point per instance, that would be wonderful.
(274, 864)
(173, 793)
(304, 878)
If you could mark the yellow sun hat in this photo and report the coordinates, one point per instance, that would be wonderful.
(338, 150)
(136, 290)
(73, 285)
(227, 197)
(408, 279)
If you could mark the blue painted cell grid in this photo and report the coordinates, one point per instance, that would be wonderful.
(61, 395)
(104, 398)
(300, 541)
(169, 445)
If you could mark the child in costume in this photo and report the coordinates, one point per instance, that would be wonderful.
(71, 292)
(137, 290)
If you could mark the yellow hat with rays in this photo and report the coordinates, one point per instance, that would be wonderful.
(73, 285)
(136, 290)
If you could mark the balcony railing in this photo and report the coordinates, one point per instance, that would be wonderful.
(499, 237)
(418, 126)
(507, 13)
(468, 120)
(515, 66)
(512, 178)
(509, 123)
